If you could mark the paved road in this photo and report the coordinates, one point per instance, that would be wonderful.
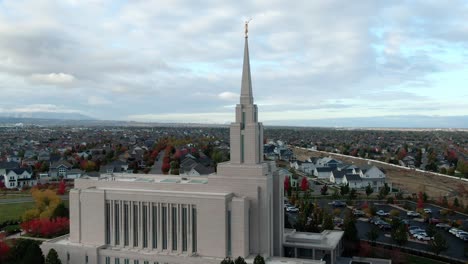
(156, 169)
(24, 200)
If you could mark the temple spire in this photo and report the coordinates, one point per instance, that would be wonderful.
(246, 88)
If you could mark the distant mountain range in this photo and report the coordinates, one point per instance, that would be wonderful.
(45, 115)
(408, 121)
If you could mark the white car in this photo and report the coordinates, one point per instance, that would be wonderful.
(417, 231)
(454, 231)
(412, 213)
(443, 226)
(422, 236)
(428, 210)
(382, 213)
(292, 209)
(461, 233)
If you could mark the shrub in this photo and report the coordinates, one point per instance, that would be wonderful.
(46, 227)
(394, 213)
(240, 260)
(259, 260)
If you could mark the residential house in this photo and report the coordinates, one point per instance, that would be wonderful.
(328, 162)
(59, 169)
(19, 178)
(115, 167)
(43, 156)
(353, 180)
(337, 176)
(323, 172)
(373, 176)
(5, 165)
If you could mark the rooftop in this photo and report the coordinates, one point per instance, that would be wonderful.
(152, 178)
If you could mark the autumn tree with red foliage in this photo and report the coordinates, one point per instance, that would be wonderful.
(420, 200)
(4, 250)
(61, 188)
(46, 227)
(304, 184)
(165, 168)
(287, 184)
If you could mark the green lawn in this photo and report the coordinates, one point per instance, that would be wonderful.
(13, 211)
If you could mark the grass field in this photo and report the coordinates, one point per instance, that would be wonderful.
(14, 211)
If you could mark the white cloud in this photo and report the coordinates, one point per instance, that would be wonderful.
(96, 100)
(53, 78)
(228, 96)
(48, 108)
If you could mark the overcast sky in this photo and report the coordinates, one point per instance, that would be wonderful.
(181, 61)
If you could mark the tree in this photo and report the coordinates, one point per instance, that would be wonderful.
(352, 194)
(4, 251)
(373, 235)
(45, 203)
(438, 244)
(52, 257)
(456, 203)
(304, 184)
(350, 230)
(344, 189)
(287, 184)
(227, 260)
(384, 191)
(431, 230)
(240, 260)
(399, 234)
(61, 188)
(60, 211)
(33, 254)
(328, 222)
(259, 260)
(324, 189)
(420, 201)
(369, 190)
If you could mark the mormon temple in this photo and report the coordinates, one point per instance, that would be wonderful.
(159, 219)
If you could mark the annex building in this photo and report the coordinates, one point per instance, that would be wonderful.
(157, 219)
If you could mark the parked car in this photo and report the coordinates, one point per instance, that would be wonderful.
(434, 221)
(382, 213)
(460, 233)
(338, 221)
(373, 219)
(358, 213)
(292, 209)
(413, 214)
(384, 225)
(428, 210)
(453, 230)
(338, 204)
(443, 226)
(422, 236)
(416, 231)
(464, 237)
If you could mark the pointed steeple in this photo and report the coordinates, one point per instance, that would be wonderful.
(246, 88)
(246, 133)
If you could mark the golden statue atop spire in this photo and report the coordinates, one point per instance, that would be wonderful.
(247, 27)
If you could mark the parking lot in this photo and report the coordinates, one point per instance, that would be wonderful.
(456, 246)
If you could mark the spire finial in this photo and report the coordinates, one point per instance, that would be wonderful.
(247, 27)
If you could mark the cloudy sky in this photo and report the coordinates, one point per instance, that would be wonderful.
(181, 61)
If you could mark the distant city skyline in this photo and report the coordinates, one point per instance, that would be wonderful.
(179, 61)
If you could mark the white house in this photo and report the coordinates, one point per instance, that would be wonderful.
(354, 181)
(323, 172)
(373, 176)
(19, 178)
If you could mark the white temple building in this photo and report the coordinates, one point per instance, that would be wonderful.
(157, 219)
